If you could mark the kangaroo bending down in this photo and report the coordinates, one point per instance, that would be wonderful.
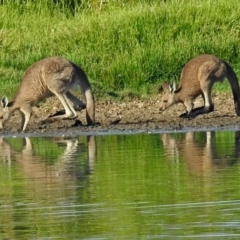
(197, 78)
(45, 78)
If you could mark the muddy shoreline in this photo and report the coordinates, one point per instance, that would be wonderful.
(135, 116)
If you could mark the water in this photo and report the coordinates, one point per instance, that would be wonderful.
(142, 186)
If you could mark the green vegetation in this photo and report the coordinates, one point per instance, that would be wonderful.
(125, 47)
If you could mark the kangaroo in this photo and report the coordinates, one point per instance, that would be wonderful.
(202, 161)
(197, 78)
(200, 151)
(62, 171)
(46, 78)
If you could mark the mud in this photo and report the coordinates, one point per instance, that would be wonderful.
(126, 117)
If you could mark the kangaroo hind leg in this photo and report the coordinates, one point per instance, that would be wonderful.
(70, 113)
(208, 107)
(78, 105)
(206, 87)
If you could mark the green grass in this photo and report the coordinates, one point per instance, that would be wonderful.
(126, 47)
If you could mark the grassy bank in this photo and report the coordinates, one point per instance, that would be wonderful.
(124, 47)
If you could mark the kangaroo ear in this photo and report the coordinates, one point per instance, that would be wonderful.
(172, 87)
(4, 101)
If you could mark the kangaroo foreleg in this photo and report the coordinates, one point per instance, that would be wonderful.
(188, 103)
(26, 115)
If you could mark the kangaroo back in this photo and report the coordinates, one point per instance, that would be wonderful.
(233, 80)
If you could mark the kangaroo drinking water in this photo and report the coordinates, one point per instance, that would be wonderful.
(197, 78)
(45, 78)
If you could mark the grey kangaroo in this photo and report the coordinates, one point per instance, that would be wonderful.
(197, 78)
(46, 78)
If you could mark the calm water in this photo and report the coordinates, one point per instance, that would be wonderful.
(143, 186)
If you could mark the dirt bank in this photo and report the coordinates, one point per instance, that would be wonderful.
(134, 115)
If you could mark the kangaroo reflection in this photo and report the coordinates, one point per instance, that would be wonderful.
(201, 155)
(74, 163)
(42, 173)
(5, 151)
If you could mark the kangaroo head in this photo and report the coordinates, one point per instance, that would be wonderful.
(168, 96)
(4, 111)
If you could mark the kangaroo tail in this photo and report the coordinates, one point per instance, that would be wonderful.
(233, 80)
(87, 91)
(90, 106)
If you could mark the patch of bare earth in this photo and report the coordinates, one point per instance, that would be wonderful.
(132, 115)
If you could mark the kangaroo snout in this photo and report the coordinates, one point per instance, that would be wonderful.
(162, 108)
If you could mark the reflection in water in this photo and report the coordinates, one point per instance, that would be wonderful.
(64, 168)
(200, 151)
(143, 186)
(41, 182)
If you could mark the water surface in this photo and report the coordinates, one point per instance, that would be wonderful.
(142, 186)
